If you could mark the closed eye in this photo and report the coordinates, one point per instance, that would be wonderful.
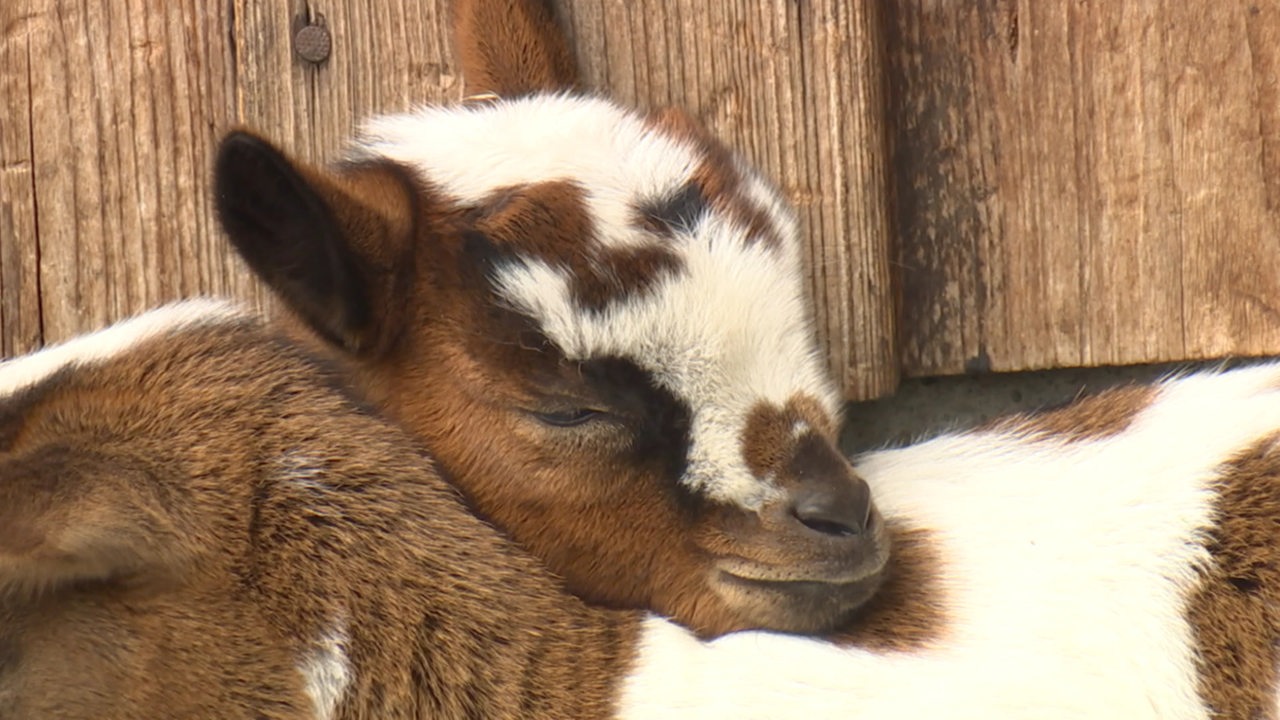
(567, 418)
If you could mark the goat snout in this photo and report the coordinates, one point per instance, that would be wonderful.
(806, 561)
(825, 495)
(837, 506)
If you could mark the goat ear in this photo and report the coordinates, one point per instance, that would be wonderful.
(512, 47)
(313, 242)
(69, 516)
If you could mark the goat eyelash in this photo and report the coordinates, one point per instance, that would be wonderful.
(568, 418)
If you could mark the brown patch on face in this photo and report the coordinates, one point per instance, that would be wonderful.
(719, 178)
(908, 612)
(550, 221)
(767, 439)
(1235, 613)
(1097, 417)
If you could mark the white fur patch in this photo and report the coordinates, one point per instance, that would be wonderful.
(1067, 569)
(97, 347)
(472, 150)
(304, 472)
(730, 330)
(326, 670)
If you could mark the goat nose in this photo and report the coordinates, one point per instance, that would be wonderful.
(841, 507)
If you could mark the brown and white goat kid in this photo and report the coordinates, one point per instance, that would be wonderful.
(197, 520)
(596, 320)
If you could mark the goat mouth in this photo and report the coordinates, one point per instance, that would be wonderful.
(850, 565)
(831, 575)
(804, 606)
(858, 590)
(798, 583)
(805, 596)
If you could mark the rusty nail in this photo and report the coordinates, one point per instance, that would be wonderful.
(312, 43)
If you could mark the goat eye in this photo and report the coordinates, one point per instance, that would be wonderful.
(567, 418)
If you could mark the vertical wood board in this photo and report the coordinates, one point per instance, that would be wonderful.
(1084, 183)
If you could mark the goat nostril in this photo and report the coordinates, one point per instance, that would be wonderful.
(834, 509)
(832, 514)
(826, 527)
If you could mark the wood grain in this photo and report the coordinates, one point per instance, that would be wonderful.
(118, 106)
(19, 282)
(386, 57)
(1084, 183)
(123, 103)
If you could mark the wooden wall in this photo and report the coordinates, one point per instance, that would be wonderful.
(991, 185)
(1084, 183)
(113, 109)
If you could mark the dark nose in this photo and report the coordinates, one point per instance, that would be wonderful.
(840, 508)
(829, 497)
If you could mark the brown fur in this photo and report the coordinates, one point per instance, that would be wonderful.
(557, 492)
(1100, 416)
(511, 47)
(677, 212)
(203, 508)
(908, 612)
(1235, 614)
(767, 441)
(549, 221)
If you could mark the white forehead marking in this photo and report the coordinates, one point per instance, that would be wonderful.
(326, 670)
(728, 332)
(100, 346)
(473, 150)
(799, 428)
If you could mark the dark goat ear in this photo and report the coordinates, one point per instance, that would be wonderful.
(512, 47)
(303, 234)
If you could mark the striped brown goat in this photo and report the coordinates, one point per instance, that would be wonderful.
(198, 521)
(596, 320)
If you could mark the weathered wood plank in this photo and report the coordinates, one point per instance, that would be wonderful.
(384, 57)
(796, 87)
(108, 194)
(1084, 183)
(126, 101)
(19, 286)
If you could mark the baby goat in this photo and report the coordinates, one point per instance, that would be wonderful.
(198, 520)
(596, 320)
(1118, 558)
